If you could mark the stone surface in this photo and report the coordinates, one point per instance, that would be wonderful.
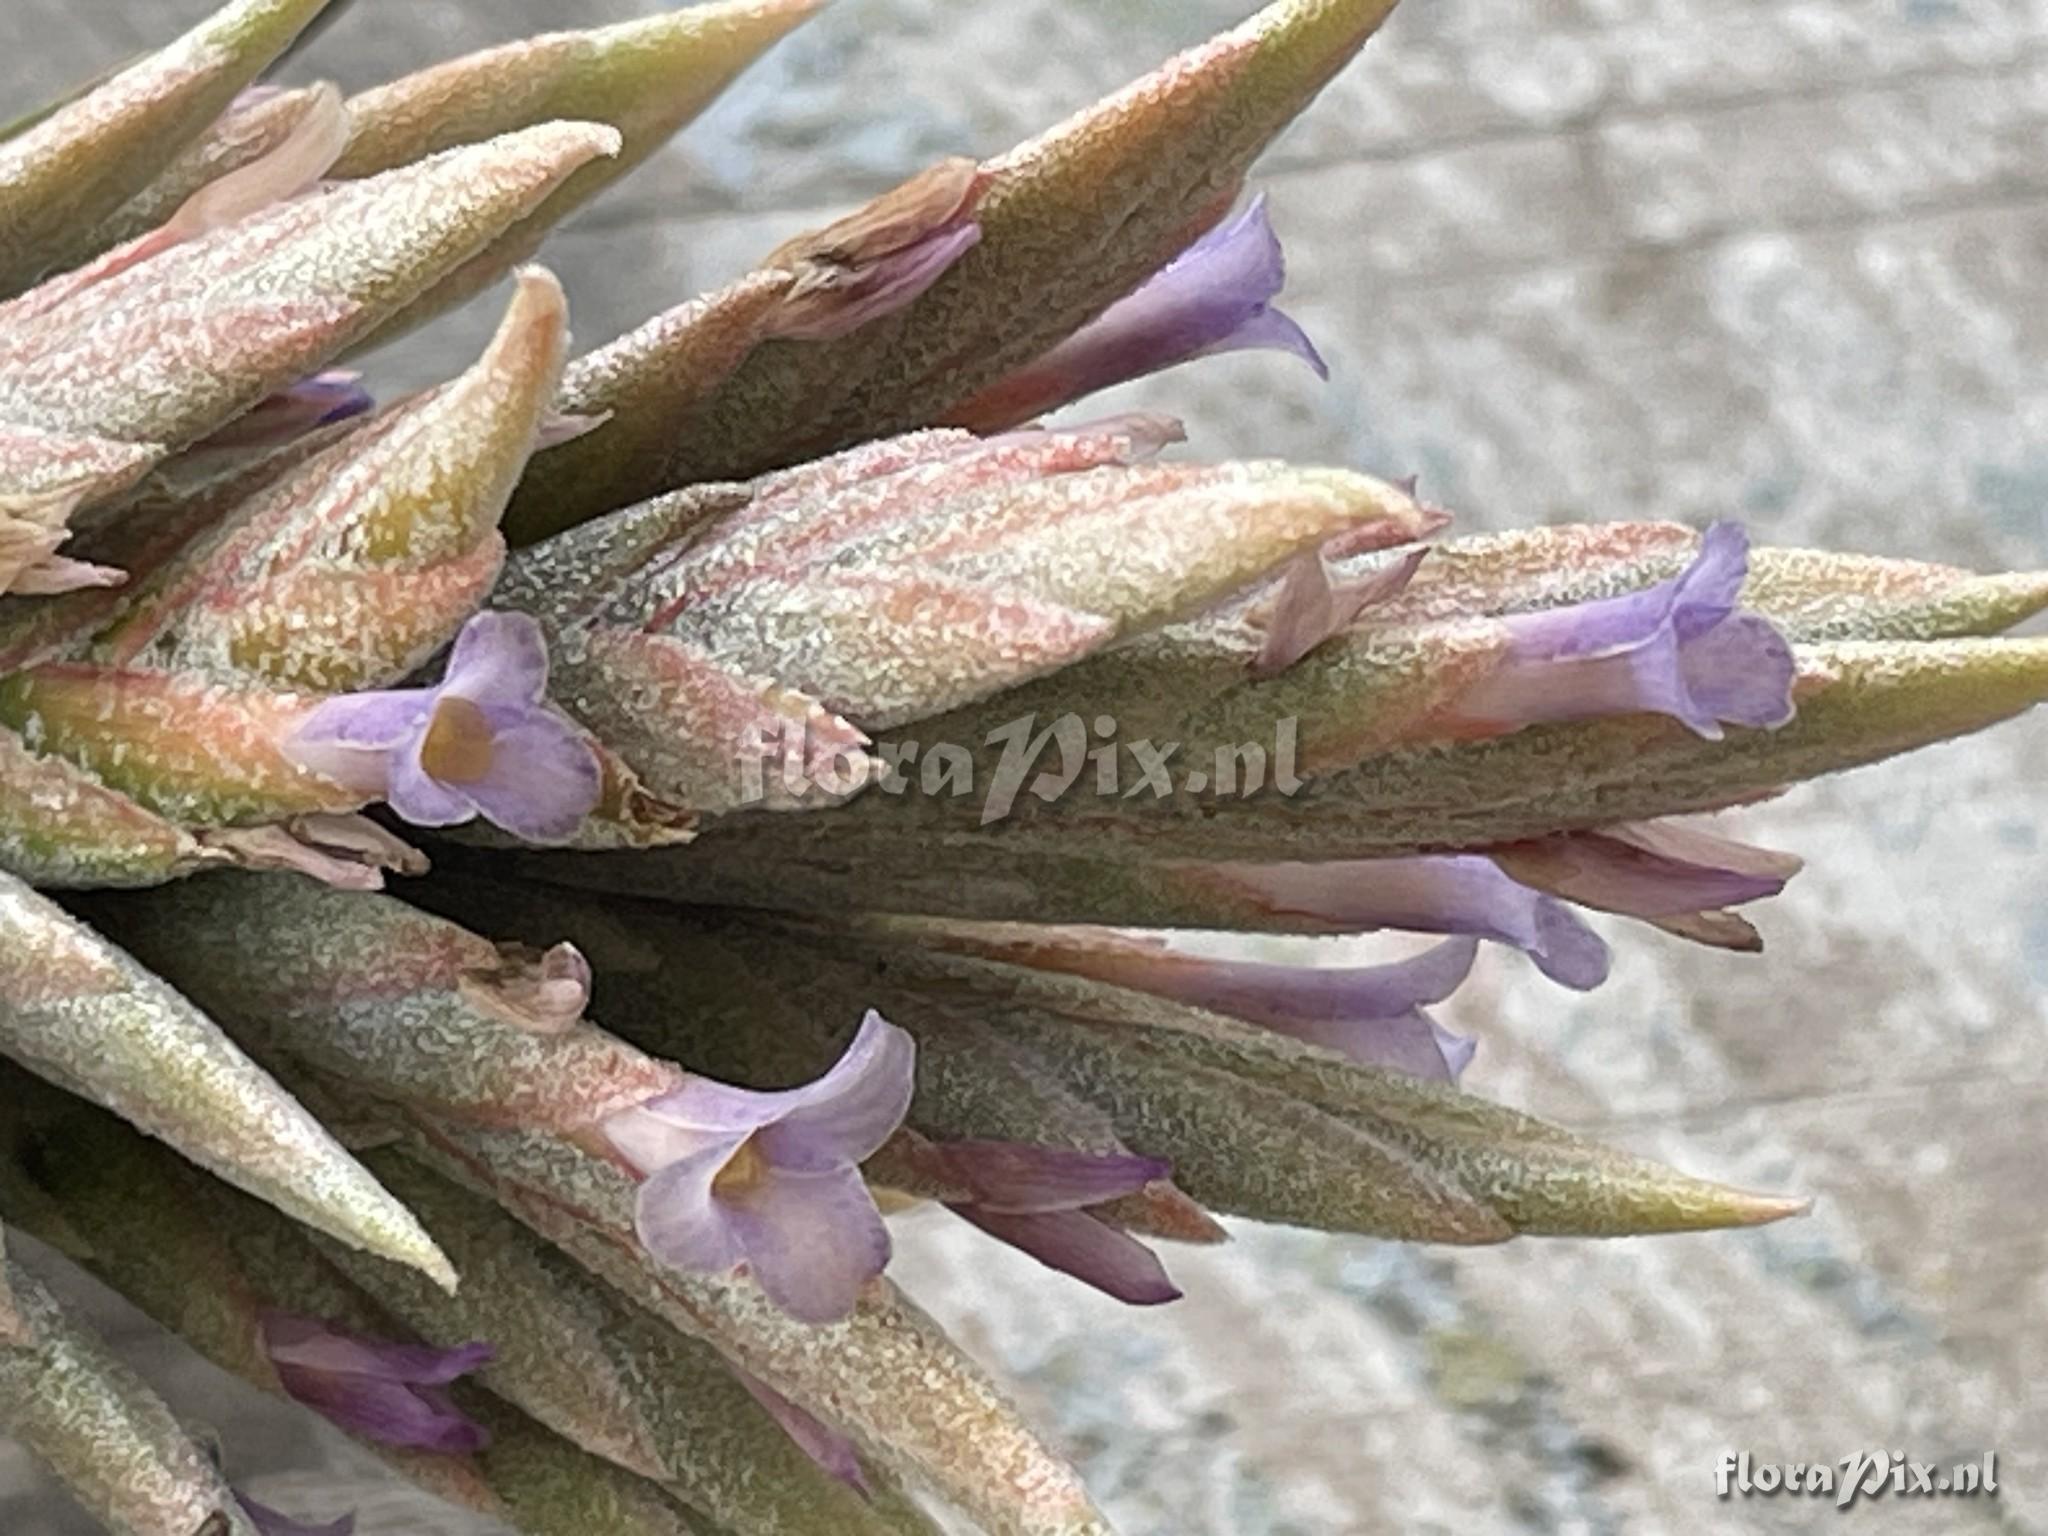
(1783, 261)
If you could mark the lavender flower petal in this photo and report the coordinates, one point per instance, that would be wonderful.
(313, 1345)
(771, 1180)
(850, 1111)
(678, 1220)
(1741, 673)
(812, 1240)
(1270, 330)
(499, 660)
(423, 800)
(415, 1418)
(1373, 1014)
(542, 781)
(480, 741)
(1411, 1043)
(1092, 1251)
(367, 722)
(705, 1105)
(1283, 995)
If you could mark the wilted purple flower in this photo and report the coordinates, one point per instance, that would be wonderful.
(481, 741)
(1312, 603)
(1675, 875)
(831, 1450)
(319, 401)
(1216, 296)
(1681, 648)
(272, 1523)
(389, 1393)
(1035, 1199)
(1457, 893)
(880, 258)
(1650, 869)
(772, 1180)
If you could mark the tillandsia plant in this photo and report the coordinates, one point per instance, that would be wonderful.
(820, 755)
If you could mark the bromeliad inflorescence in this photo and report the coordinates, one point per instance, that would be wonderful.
(697, 666)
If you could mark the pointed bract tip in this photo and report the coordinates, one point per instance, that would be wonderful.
(575, 142)
(1751, 1208)
(1660, 1200)
(538, 293)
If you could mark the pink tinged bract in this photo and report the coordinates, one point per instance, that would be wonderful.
(1456, 893)
(1216, 296)
(772, 1180)
(1035, 1199)
(1682, 648)
(389, 1393)
(482, 741)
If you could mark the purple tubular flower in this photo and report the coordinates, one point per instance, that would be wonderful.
(1216, 296)
(389, 1393)
(480, 742)
(772, 1180)
(1454, 893)
(1373, 1014)
(319, 401)
(271, 1523)
(832, 1451)
(1681, 648)
(1035, 1199)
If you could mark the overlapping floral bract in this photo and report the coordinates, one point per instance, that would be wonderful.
(778, 685)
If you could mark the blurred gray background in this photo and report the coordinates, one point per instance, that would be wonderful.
(1785, 260)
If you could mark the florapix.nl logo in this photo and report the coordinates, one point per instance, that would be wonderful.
(787, 763)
